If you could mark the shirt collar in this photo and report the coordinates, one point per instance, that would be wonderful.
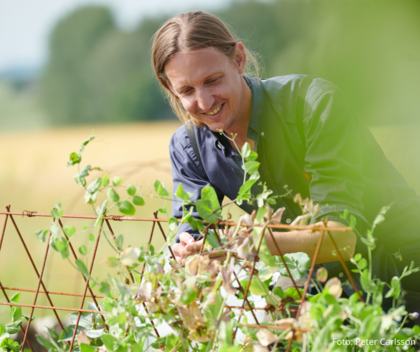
(256, 124)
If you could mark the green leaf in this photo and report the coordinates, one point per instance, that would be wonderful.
(162, 210)
(69, 230)
(116, 181)
(244, 191)
(205, 211)
(126, 208)
(82, 268)
(13, 328)
(27, 317)
(251, 167)
(258, 287)
(279, 292)
(246, 150)
(363, 263)
(62, 246)
(367, 284)
(41, 234)
(212, 239)
(94, 186)
(298, 264)
(15, 298)
(75, 158)
(119, 241)
(99, 220)
(139, 201)
(110, 342)
(112, 195)
(173, 224)
(112, 262)
(131, 190)
(160, 189)
(57, 214)
(252, 156)
(209, 194)
(180, 193)
(15, 312)
(357, 257)
(91, 238)
(82, 250)
(86, 348)
(105, 180)
(67, 333)
(86, 141)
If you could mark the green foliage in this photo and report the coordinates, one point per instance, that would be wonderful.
(192, 298)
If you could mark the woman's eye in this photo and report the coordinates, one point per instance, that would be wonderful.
(214, 80)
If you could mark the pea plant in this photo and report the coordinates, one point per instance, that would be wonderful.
(209, 304)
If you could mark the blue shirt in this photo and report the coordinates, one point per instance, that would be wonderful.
(338, 163)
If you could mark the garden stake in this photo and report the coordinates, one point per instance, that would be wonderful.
(36, 293)
(250, 279)
(150, 240)
(90, 290)
(141, 278)
(51, 292)
(237, 280)
(118, 247)
(21, 328)
(163, 234)
(49, 307)
(86, 286)
(34, 266)
(222, 223)
(345, 267)
(206, 231)
(4, 229)
(311, 270)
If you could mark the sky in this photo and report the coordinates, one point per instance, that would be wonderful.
(26, 24)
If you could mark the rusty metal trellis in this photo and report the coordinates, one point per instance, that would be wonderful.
(246, 305)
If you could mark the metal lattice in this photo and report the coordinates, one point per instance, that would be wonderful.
(246, 305)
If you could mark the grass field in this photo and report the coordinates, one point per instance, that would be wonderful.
(34, 177)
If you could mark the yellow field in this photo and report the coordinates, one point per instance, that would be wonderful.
(34, 177)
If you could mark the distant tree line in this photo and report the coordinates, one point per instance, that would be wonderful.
(98, 72)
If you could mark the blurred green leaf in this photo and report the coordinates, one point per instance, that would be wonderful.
(131, 190)
(116, 181)
(112, 195)
(105, 180)
(160, 189)
(139, 201)
(126, 208)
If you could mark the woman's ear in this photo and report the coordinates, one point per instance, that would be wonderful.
(239, 57)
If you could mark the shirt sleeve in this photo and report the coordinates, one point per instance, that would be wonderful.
(334, 159)
(187, 170)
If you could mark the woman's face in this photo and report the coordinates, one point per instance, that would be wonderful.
(210, 85)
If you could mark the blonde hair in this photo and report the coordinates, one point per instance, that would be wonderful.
(191, 31)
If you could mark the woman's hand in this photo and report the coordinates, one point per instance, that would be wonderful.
(186, 247)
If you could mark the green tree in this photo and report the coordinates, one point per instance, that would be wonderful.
(63, 87)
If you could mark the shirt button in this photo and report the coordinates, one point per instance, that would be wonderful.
(288, 221)
(262, 133)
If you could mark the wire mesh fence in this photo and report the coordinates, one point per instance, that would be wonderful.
(156, 225)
